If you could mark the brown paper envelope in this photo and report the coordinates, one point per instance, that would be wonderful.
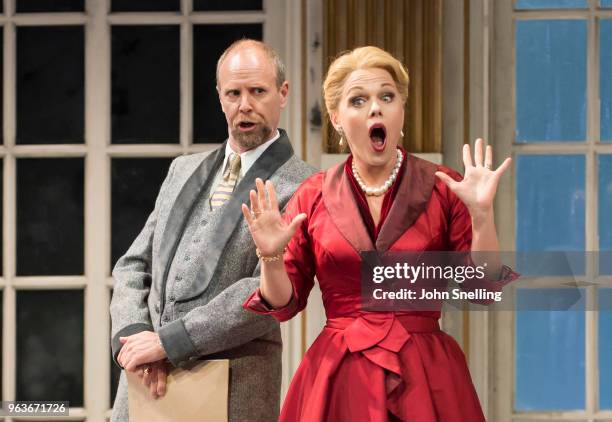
(197, 393)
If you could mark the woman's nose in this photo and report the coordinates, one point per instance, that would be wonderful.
(375, 109)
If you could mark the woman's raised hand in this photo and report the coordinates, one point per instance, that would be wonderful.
(270, 232)
(479, 184)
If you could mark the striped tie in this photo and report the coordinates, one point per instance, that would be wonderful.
(226, 187)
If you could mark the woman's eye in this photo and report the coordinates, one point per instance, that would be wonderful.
(388, 97)
(357, 101)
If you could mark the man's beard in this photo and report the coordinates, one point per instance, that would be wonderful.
(253, 139)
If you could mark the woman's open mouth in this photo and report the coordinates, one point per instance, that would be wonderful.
(378, 137)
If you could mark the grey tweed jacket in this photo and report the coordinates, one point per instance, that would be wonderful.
(190, 269)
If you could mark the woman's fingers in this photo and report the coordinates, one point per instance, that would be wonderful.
(488, 162)
(261, 195)
(467, 157)
(247, 214)
(272, 195)
(503, 167)
(448, 181)
(478, 153)
(255, 206)
(295, 223)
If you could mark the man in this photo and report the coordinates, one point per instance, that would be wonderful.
(180, 286)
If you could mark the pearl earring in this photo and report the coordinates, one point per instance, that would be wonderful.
(402, 133)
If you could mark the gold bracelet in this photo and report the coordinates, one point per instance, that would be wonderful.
(272, 258)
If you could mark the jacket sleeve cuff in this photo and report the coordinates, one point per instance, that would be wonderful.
(176, 343)
(132, 329)
(256, 303)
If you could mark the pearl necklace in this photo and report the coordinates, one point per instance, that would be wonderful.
(381, 190)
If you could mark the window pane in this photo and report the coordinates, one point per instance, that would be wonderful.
(605, 82)
(606, 3)
(605, 211)
(50, 85)
(135, 184)
(605, 346)
(145, 6)
(551, 80)
(50, 6)
(50, 345)
(550, 202)
(50, 195)
(549, 357)
(145, 84)
(227, 5)
(551, 4)
(209, 124)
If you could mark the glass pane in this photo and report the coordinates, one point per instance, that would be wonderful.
(605, 3)
(135, 184)
(549, 357)
(551, 4)
(50, 195)
(227, 5)
(145, 84)
(50, 81)
(605, 211)
(605, 348)
(551, 80)
(550, 202)
(50, 6)
(605, 82)
(209, 41)
(145, 6)
(50, 345)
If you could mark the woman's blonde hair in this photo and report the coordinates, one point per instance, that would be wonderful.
(361, 58)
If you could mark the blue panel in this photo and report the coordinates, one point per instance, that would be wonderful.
(605, 81)
(550, 363)
(551, 4)
(551, 63)
(605, 213)
(605, 349)
(550, 202)
(605, 3)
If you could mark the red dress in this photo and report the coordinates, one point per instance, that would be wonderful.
(374, 366)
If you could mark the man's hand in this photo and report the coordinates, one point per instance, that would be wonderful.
(153, 376)
(140, 349)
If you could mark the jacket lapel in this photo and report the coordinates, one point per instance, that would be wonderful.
(343, 209)
(411, 200)
(182, 209)
(266, 165)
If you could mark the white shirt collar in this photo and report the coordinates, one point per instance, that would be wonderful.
(248, 158)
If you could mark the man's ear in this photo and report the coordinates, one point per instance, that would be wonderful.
(284, 93)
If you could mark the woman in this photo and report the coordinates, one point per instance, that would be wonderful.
(372, 366)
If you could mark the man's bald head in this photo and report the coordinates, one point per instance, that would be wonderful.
(246, 43)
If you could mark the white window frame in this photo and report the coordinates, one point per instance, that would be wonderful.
(499, 368)
(280, 19)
